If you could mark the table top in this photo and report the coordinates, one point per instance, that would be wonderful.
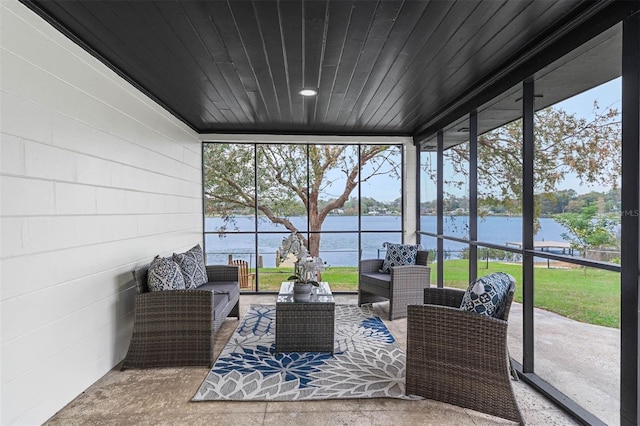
(320, 294)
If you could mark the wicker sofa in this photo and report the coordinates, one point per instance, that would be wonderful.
(403, 286)
(177, 327)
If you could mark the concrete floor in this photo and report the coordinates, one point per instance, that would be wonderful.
(162, 397)
(581, 360)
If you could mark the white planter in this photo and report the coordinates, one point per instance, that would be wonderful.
(302, 292)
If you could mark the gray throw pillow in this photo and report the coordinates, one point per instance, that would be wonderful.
(399, 255)
(192, 265)
(164, 274)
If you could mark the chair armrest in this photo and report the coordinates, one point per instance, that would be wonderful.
(407, 270)
(417, 277)
(370, 265)
(456, 317)
(222, 273)
(451, 297)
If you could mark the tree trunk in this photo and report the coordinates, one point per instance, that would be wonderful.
(314, 238)
(315, 224)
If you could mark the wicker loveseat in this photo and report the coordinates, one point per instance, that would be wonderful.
(403, 286)
(176, 327)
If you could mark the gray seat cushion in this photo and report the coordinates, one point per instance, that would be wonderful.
(378, 279)
(224, 291)
(227, 287)
(220, 301)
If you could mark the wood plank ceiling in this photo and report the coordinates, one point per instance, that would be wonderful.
(380, 67)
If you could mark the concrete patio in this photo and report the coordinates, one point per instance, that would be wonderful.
(162, 396)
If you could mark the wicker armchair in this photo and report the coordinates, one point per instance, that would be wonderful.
(460, 357)
(177, 327)
(403, 286)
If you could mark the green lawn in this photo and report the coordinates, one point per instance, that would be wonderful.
(592, 297)
(341, 278)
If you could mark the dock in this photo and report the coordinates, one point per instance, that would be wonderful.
(546, 246)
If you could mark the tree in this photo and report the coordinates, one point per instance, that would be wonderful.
(318, 178)
(588, 229)
(564, 143)
(555, 202)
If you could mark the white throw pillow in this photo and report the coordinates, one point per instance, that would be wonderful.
(192, 265)
(164, 274)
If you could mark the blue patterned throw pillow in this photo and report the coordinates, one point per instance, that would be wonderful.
(164, 274)
(488, 295)
(399, 255)
(192, 265)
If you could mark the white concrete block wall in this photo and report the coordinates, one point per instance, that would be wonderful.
(95, 180)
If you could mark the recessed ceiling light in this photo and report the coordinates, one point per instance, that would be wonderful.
(308, 92)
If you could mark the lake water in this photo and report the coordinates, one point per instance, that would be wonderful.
(342, 249)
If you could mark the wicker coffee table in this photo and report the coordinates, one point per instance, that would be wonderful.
(305, 326)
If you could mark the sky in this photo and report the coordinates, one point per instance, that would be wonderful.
(607, 94)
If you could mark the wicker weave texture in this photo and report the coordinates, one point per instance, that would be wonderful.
(177, 327)
(443, 296)
(459, 357)
(222, 273)
(305, 326)
(402, 287)
(172, 329)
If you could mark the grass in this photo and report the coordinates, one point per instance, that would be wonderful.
(591, 296)
(342, 278)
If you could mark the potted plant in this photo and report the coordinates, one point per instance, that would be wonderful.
(306, 267)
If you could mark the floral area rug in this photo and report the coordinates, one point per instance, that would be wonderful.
(367, 362)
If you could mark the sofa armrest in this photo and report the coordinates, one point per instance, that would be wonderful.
(172, 328)
(185, 306)
(222, 273)
(370, 265)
